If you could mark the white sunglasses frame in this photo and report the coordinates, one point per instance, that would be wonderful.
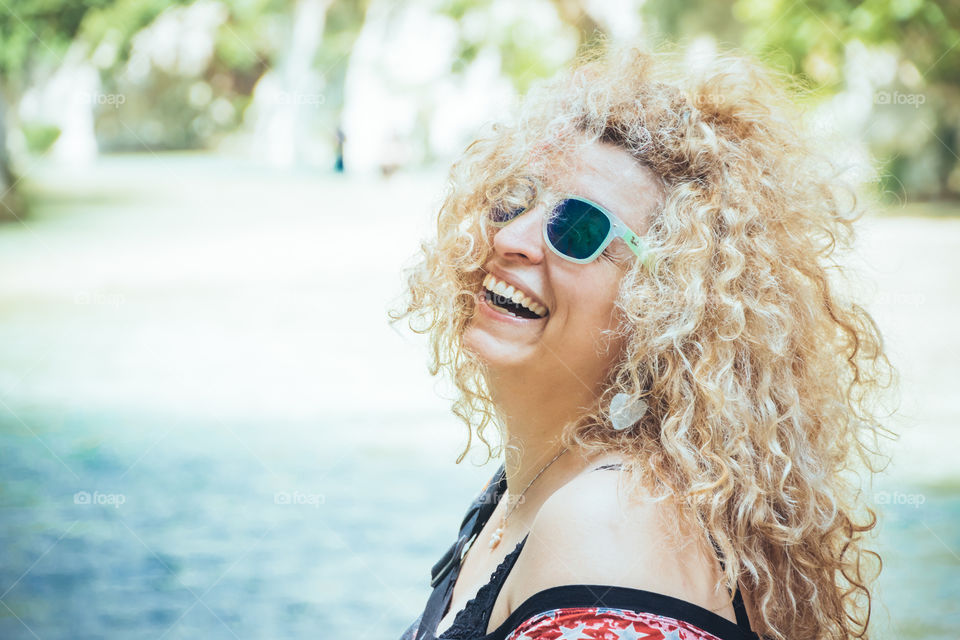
(618, 229)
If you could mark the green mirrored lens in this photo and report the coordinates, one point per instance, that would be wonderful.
(577, 228)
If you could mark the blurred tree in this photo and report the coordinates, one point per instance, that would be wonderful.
(916, 124)
(34, 37)
(345, 20)
(11, 205)
(36, 31)
(302, 97)
(812, 39)
(273, 64)
(577, 14)
(186, 69)
(525, 56)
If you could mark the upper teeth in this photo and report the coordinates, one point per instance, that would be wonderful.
(507, 291)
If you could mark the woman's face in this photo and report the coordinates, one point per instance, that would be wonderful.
(579, 298)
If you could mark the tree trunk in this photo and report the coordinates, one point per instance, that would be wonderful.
(574, 13)
(286, 98)
(11, 204)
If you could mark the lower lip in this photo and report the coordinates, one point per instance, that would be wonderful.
(492, 313)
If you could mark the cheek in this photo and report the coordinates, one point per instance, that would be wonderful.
(593, 303)
(591, 336)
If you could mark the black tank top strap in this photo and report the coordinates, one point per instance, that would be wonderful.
(741, 611)
(476, 517)
(444, 573)
(738, 606)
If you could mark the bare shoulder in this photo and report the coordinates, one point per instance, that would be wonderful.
(591, 531)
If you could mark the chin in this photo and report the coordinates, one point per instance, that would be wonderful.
(490, 349)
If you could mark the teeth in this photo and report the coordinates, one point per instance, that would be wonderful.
(507, 291)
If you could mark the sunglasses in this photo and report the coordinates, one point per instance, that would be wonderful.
(579, 230)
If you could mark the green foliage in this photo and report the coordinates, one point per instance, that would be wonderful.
(810, 40)
(120, 20)
(253, 33)
(34, 30)
(528, 50)
(40, 137)
(813, 34)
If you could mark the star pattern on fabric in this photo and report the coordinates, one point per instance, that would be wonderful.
(629, 633)
(572, 633)
(596, 623)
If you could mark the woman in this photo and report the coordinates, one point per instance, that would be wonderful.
(633, 281)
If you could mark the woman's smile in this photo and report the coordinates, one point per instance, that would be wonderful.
(490, 309)
(504, 304)
(509, 299)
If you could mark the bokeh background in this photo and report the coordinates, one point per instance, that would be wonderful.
(207, 427)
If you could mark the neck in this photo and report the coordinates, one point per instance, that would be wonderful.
(534, 416)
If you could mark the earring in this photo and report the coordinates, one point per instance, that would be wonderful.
(624, 415)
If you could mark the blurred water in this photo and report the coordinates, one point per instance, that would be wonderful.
(207, 428)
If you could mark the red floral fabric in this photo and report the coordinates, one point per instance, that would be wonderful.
(605, 623)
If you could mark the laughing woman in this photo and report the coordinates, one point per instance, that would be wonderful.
(633, 282)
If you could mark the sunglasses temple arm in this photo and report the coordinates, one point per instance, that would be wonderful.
(638, 246)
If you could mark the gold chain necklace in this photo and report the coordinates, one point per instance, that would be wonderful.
(497, 535)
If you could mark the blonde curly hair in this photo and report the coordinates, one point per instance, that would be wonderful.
(760, 374)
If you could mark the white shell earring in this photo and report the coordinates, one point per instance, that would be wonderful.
(623, 413)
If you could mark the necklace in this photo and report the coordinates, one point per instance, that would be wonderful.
(497, 535)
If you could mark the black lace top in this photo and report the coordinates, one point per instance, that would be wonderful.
(475, 615)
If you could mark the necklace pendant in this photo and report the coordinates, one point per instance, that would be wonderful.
(496, 537)
(498, 533)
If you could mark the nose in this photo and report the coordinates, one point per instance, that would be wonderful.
(522, 238)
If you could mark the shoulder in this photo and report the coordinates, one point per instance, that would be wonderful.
(592, 532)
